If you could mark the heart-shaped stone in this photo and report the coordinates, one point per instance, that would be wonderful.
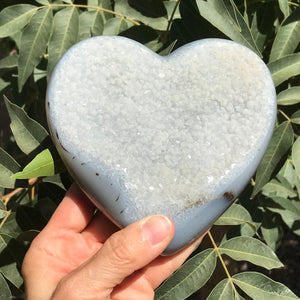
(179, 135)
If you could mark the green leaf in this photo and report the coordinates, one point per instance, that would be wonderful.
(43, 2)
(271, 231)
(277, 188)
(252, 250)
(91, 23)
(262, 24)
(296, 154)
(115, 26)
(4, 288)
(3, 84)
(287, 209)
(8, 62)
(64, 34)
(224, 290)
(170, 6)
(28, 133)
(154, 45)
(92, 3)
(284, 7)
(8, 166)
(280, 143)
(12, 253)
(10, 228)
(97, 25)
(284, 68)
(287, 38)
(259, 286)
(235, 215)
(39, 74)
(14, 18)
(44, 164)
(295, 117)
(168, 49)
(122, 7)
(33, 43)
(288, 172)
(189, 278)
(85, 24)
(55, 179)
(3, 209)
(108, 5)
(228, 20)
(290, 96)
(17, 38)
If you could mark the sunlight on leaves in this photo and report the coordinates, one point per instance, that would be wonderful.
(277, 188)
(252, 250)
(28, 133)
(280, 143)
(295, 117)
(284, 7)
(189, 278)
(44, 164)
(235, 215)
(259, 286)
(217, 14)
(290, 96)
(64, 34)
(33, 43)
(287, 38)
(122, 7)
(224, 290)
(14, 18)
(285, 67)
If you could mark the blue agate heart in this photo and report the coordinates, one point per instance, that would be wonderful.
(179, 135)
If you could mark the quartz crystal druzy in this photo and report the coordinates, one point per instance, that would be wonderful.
(179, 135)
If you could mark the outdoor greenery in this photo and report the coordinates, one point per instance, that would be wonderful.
(34, 35)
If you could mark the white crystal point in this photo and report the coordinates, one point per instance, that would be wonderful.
(179, 135)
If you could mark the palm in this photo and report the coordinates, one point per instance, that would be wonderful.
(61, 252)
(71, 238)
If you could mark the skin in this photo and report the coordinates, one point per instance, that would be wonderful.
(80, 254)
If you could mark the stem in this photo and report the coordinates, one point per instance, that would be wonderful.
(5, 198)
(216, 248)
(98, 8)
(5, 218)
(172, 15)
(284, 115)
(293, 3)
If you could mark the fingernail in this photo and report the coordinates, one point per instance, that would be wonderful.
(156, 229)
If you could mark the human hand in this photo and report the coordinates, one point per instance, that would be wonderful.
(83, 255)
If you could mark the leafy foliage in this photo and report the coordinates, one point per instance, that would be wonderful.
(34, 35)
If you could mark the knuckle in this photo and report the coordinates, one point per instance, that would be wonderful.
(120, 251)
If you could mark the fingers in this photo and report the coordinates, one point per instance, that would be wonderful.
(100, 228)
(164, 266)
(73, 213)
(123, 253)
(155, 273)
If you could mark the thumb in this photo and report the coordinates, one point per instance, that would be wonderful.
(123, 253)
